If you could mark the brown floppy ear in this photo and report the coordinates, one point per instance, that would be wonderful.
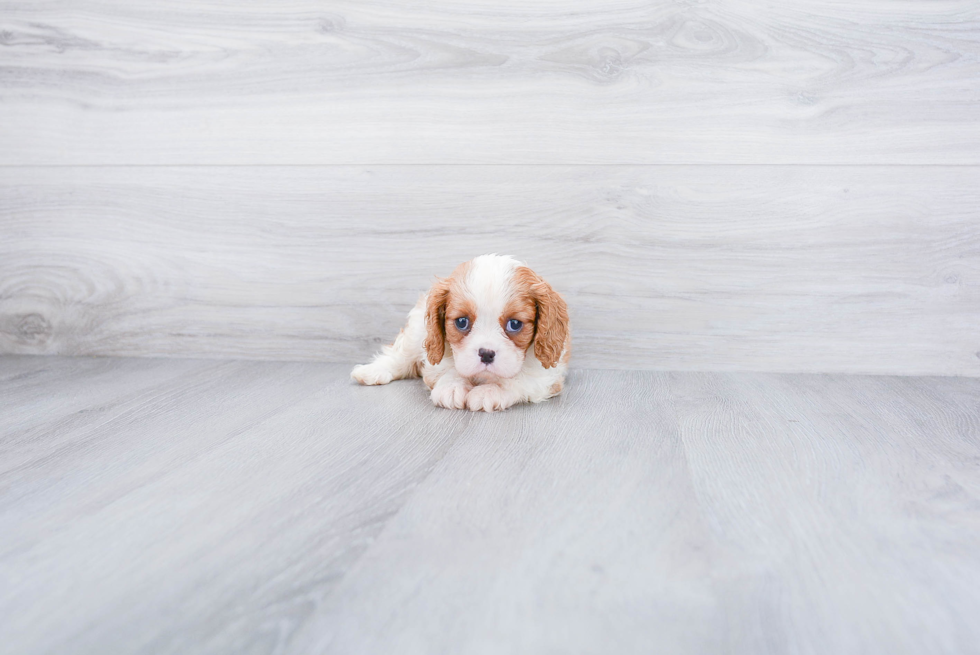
(435, 322)
(551, 326)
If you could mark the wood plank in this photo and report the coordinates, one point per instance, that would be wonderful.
(51, 395)
(691, 513)
(206, 515)
(272, 507)
(820, 269)
(570, 527)
(581, 81)
(835, 498)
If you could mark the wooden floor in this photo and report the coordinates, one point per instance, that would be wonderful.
(186, 506)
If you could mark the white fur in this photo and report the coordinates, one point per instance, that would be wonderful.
(461, 380)
(489, 284)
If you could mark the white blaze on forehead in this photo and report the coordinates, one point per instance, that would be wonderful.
(489, 282)
(489, 286)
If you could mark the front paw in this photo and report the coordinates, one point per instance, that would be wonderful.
(487, 398)
(371, 374)
(451, 395)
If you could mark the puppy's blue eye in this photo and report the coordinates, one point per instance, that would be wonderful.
(513, 325)
(462, 323)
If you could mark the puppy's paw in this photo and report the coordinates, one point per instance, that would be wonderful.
(487, 398)
(450, 394)
(371, 374)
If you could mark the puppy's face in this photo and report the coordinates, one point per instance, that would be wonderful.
(490, 311)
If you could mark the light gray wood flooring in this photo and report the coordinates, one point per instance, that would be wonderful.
(188, 506)
(766, 268)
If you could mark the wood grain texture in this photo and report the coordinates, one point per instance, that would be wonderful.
(556, 82)
(169, 506)
(228, 496)
(832, 269)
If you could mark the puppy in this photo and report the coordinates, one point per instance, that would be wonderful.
(491, 335)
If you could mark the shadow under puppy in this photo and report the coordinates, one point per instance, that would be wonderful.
(507, 332)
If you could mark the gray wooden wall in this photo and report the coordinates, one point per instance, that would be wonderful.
(713, 185)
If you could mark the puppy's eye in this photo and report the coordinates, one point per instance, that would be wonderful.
(513, 325)
(462, 323)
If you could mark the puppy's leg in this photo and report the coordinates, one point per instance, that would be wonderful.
(402, 359)
(492, 397)
(450, 387)
(532, 385)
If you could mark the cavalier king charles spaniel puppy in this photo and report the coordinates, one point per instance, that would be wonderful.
(491, 335)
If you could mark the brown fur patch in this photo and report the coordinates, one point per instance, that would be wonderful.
(555, 389)
(459, 306)
(523, 308)
(551, 321)
(445, 297)
(435, 329)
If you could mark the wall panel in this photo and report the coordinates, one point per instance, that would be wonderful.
(858, 269)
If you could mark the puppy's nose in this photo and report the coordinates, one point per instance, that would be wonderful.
(486, 356)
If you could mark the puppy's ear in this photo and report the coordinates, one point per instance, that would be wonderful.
(435, 322)
(551, 325)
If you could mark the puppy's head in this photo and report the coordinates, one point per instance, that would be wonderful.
(490, 312)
